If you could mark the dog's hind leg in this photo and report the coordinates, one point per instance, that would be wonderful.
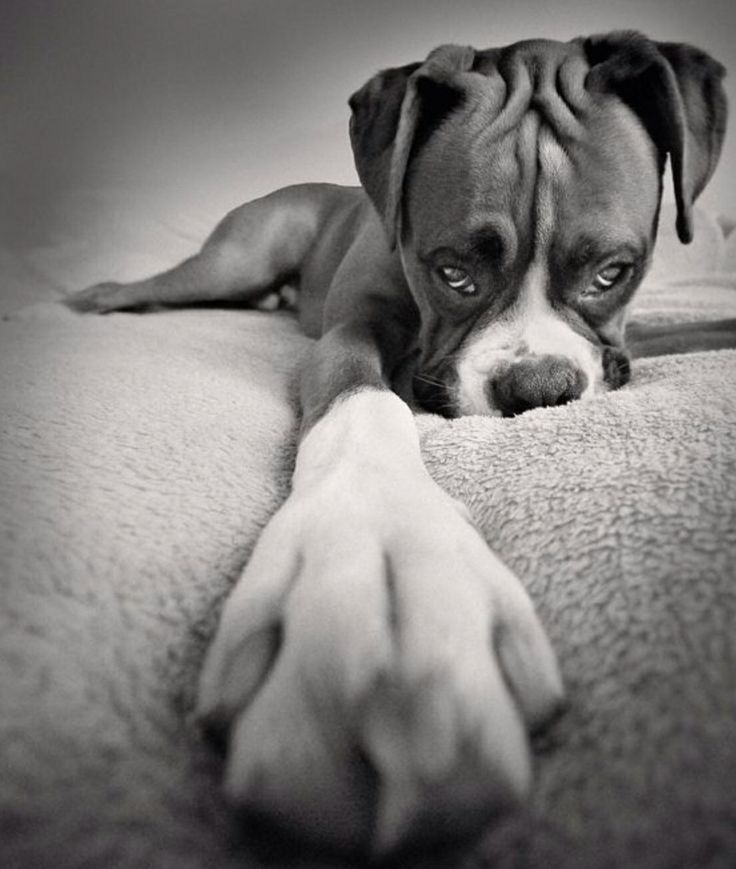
(660, 339)
(253, 251)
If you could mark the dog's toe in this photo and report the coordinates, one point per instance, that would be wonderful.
(292, 763)
(98, 299)
(446, 762)
(528, 661)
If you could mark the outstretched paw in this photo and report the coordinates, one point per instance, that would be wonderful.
(377, 668)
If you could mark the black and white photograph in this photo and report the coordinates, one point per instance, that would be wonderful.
(367, 434)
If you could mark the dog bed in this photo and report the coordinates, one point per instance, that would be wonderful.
(142, 455)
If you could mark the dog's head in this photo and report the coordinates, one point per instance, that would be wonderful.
(521, 187)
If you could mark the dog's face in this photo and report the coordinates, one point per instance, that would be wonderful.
(526, 216)
(522, 252)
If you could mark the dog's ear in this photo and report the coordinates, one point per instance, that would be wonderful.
(676, 91)
(392, 113)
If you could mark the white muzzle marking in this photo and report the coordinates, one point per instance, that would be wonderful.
(531, 327)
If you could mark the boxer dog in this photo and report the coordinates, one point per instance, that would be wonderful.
(377, 668)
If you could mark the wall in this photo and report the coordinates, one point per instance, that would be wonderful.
(206, 104)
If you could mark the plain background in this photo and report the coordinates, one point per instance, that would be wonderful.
(203, 104)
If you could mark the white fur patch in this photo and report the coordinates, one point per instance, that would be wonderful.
(530, 327)
(554, 169)
(371, 428)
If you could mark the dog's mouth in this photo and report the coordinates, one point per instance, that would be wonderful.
(616, 367)
(433, 392)
(436, 391)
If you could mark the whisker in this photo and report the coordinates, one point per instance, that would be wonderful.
(433, 381)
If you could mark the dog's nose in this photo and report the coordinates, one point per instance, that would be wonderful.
(536, 381)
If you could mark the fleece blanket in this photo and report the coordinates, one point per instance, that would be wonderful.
(142, 455)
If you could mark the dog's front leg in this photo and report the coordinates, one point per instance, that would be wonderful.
(377, 665)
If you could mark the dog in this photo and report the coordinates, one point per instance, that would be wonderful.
(377, 669)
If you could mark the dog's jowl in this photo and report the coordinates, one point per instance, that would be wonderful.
(377, 668)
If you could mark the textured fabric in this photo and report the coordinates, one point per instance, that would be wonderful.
(142, 455)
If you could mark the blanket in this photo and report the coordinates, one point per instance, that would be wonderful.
(142, 455)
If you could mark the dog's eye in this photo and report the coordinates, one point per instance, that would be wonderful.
(608, 276)
(457, 279)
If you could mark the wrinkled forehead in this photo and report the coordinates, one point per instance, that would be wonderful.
(594, 174)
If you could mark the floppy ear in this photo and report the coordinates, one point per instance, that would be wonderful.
(390, 116)
(676, 90)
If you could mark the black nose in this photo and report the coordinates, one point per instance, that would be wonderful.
(536, 381)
